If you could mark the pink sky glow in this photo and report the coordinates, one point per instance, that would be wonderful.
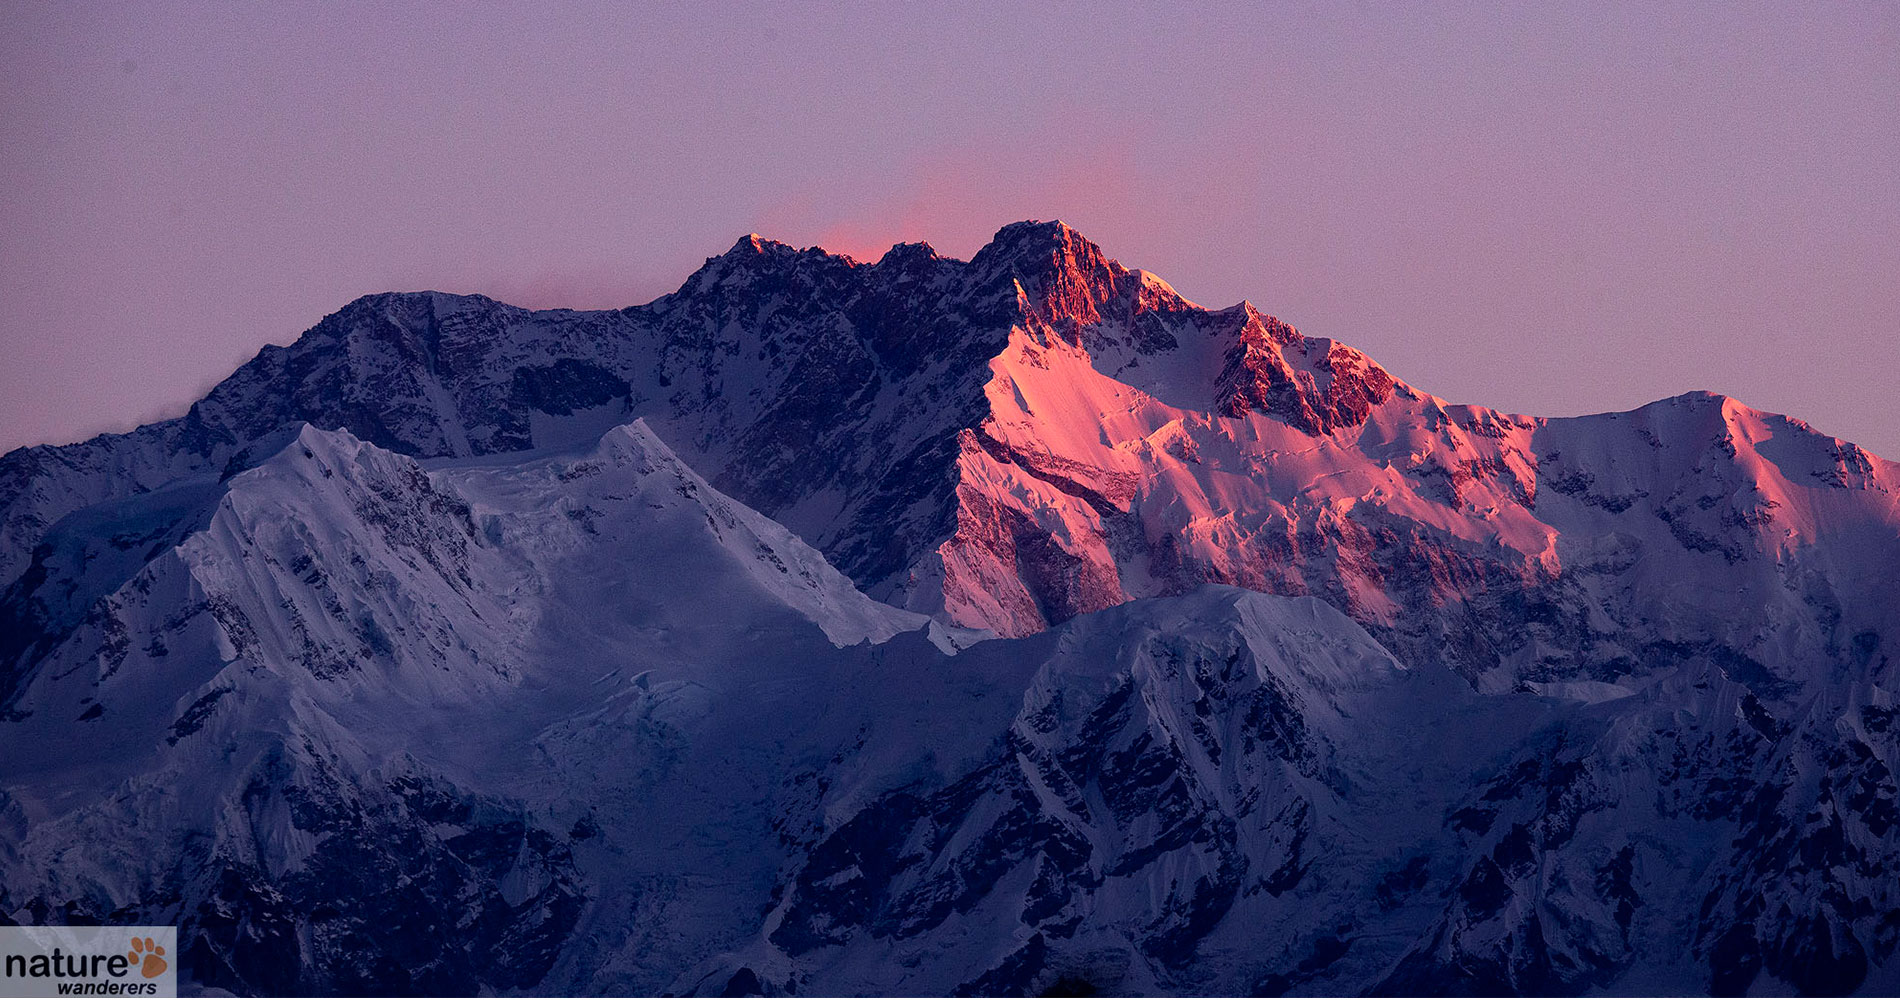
(1550, 209)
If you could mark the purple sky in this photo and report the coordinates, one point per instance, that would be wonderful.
(1566, 209)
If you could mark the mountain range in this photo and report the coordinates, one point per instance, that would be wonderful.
(926, 626)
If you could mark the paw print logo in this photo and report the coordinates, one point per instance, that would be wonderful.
(146, 957)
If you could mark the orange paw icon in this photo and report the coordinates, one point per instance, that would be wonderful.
(145, 954)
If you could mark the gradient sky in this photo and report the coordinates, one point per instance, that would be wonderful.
(1551, 209)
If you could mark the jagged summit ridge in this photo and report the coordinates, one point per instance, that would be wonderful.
(1012, 440)
(435, 374)
(772, 367)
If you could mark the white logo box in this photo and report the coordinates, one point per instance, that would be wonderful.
(89, 961)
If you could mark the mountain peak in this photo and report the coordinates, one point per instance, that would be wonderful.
(754, 245)
(752, 255)
(901, 254)
(1033, 237)
(1066, 274)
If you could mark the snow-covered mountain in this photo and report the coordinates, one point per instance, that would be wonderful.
(460, 647)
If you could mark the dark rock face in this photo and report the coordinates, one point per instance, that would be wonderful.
(1317, 386)
(1207, 784)
(403, 891)
(1088, 797)
(1535, 921)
